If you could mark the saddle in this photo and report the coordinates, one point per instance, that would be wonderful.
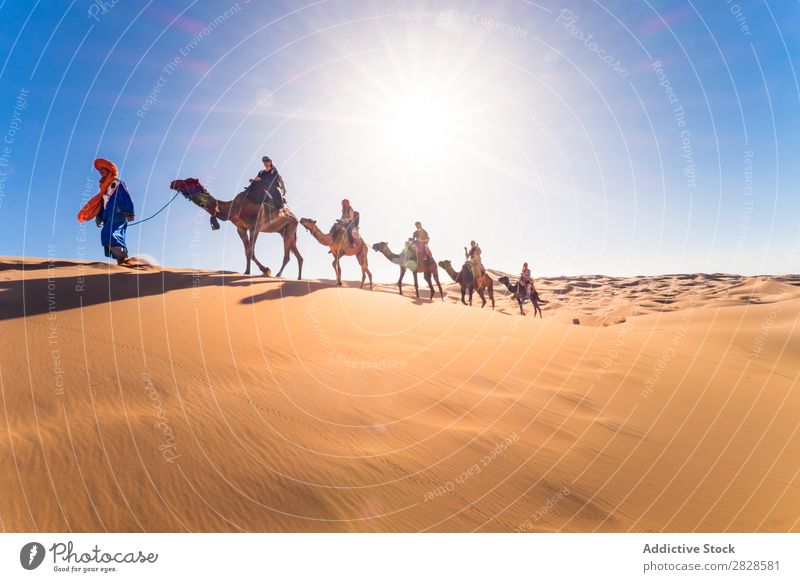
(466, 272)
(255, 196)
(419, 249)
(340, 229)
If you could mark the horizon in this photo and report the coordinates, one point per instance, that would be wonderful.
(618, 140)
(407, 281)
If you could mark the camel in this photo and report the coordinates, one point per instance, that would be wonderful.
(466, 280)
(336, 240)
(250, 217)
(515, 290)
(408, 261)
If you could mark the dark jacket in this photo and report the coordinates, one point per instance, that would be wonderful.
(270, 184)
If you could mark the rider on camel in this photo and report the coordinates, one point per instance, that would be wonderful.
(349, 220)
(268, 186)
(525, 279)
(473, 256)
(420, 239)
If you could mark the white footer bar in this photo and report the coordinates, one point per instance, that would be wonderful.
(387, 557)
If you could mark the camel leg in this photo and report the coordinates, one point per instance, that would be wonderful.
(296, 253)
(427, 276)
(463, 291)
(246, 242)
(400, 280)
(299, 260)
(471, 291)
(369, 274)
(364, 262)
(491, 295)
(438, 284)
(253, 238)
(522, 311)
(482, 296)
(287, 246)
(337, 270)
(416, 283)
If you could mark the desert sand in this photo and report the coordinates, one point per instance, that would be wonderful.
(176, 400)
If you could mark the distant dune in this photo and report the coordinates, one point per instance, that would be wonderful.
(173, 400)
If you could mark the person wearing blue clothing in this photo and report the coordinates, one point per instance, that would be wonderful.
(114, 214)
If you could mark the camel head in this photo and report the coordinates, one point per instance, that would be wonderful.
(189, 187)
(446, 265)
(380, 247)
(308, 223)
(504, 280)
(193, 190)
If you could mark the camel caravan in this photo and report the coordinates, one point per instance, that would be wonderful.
(261, 207)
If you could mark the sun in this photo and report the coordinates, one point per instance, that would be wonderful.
(421, 108)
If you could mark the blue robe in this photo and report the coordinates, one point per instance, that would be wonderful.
(115, 222)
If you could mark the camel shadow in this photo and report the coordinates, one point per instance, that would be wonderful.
(21, 266)
(29, 297)
(294, 288)
(408, 293)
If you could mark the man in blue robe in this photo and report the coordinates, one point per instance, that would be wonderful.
(114, 216)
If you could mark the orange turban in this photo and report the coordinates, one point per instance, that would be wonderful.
(92, 207)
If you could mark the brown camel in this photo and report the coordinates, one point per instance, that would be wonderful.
(408, 260)
(466, 280)
(250, 217)
(520, 294)
(339, 244)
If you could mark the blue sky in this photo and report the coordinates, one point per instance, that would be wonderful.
(543, 130)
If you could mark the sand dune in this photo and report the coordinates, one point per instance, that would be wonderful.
(173, 400)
